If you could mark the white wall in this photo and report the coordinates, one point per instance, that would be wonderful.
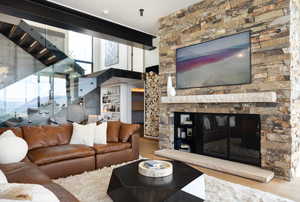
(127, 61)
(152, 57)
(138, 59)
(125, 105)
(97, 54)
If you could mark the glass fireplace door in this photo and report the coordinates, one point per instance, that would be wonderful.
(215, 135)
(244, 139)
(234, 137)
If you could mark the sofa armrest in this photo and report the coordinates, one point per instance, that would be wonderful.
(26, 160)
(135, 144)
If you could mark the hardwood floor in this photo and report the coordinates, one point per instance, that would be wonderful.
(279, 187)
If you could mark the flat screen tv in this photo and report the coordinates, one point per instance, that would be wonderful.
(223, 61)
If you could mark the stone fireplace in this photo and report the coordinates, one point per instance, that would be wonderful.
(269, 22)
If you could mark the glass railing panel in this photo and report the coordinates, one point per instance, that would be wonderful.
(15, 63)
(22, 99)
(38, 98)
(31, 92)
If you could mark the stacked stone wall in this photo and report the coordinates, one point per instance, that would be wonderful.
(295, 79)
(269, 23)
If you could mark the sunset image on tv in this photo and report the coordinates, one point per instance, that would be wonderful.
(224, 61)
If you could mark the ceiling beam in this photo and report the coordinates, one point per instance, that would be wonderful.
(59, 16)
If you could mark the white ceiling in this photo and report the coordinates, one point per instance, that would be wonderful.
(126, 12)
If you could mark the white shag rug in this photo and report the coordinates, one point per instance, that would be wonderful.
(92, 187)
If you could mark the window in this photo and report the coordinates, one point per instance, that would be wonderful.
(60, 92)
(81, 50)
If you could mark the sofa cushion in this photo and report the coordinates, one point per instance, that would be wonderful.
(24, 173)
(31, 174)
(111, 147)
(36, 137)
(26, 192)
(62, 133)
(127, 130)
(17, 131)
(59, 153)
(113, 131)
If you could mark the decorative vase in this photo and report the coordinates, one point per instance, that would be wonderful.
(170, 89)
(169, 84)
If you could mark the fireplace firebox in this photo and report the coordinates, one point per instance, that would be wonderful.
(234, 137)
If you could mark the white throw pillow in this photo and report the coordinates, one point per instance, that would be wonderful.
(8, 133)
(83, 134)
(3, 179)
(100, 133)
(13, 149)
(26, 192)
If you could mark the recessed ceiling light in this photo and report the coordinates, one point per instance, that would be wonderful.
(105, 12)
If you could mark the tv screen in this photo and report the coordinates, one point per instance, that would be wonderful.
(223, 61)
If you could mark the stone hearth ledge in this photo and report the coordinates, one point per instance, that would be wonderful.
(234, 168)
(223, 98)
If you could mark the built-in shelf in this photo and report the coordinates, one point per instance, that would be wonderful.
(111, 102)
(223, 98)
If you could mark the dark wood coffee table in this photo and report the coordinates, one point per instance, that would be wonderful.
(186, 184)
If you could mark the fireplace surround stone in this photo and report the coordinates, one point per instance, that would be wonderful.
(269, 22)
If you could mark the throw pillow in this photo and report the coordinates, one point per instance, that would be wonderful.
(113, 131)
(3, 179)
(127, 130)
(8, 133)
(17, 131)
(100, 133)
(83, 134)
(26, 192)
(13, 149)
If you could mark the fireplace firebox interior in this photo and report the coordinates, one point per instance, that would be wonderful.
(234, 137)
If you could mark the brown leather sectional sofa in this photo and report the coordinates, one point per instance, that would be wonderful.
(50, 155)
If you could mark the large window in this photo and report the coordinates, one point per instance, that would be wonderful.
(81, 49)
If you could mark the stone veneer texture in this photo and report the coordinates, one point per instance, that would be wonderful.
(295, 79)
(152, 105)
(270, 37)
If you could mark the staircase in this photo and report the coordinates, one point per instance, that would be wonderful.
(52, 64)
(32, 42)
